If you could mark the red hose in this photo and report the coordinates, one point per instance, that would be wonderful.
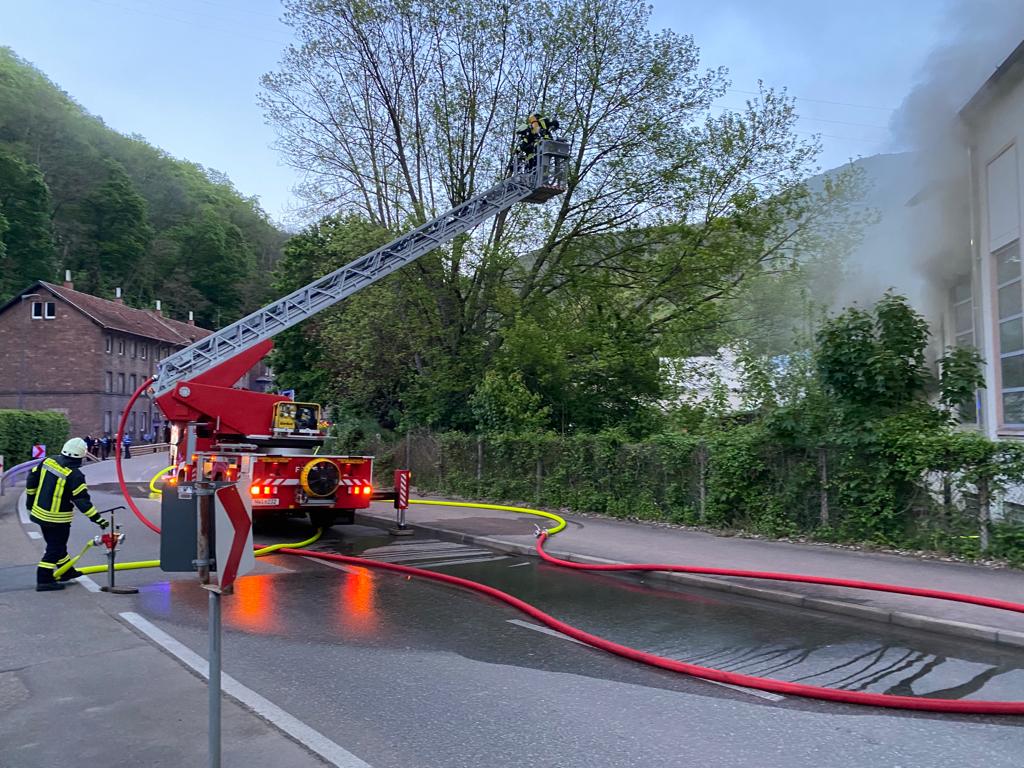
(117, 457)
(988, 602)
(708, 673)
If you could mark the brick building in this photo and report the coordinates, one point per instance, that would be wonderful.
(67, 351)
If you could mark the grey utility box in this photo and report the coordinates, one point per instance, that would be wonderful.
(179, 527)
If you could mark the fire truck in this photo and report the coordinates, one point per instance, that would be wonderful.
(269, 445)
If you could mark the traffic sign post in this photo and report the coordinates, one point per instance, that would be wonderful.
(403, 478)
(223, 553)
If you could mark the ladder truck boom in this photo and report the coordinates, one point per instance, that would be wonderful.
(267, 445)
(538, 183)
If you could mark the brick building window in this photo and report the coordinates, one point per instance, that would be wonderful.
(135, 349)
(110, 343)
(120, 346)
(144, 422)
(131, 422)
(144, 352)
(108, 382)
(120, 383)
(44, 310)
(132, 383)
(108, 418)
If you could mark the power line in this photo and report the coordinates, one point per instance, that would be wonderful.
(822, 101)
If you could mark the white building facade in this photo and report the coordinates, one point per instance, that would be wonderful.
(986, 306)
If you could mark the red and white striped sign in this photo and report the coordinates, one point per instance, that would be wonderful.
(402, 477)
(234, 538)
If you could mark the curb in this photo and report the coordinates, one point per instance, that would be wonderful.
(959, 629)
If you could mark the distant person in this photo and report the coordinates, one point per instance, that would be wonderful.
(126, 446)
(53, 489)
(105, 445)
(90, 444)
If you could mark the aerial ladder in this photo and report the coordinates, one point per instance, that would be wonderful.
(268, 442)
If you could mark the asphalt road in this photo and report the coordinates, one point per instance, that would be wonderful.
(405, 673)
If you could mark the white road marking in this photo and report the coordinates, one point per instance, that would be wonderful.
(459, 562)
(22, 512)
(545, 630)
(34, 534)
(555, 633)
(520, 565)
(752, 691)
(289, 724)
(89, 584)
(328, 563)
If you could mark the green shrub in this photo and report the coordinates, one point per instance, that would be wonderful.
(20, 430)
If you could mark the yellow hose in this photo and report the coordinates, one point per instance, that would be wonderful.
(559, 525)
(156, 563)
(520, 510)
(152, 483)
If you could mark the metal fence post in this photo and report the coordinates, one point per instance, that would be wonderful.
(823, 511)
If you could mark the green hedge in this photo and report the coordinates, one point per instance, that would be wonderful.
(739, 478)
(20, 430)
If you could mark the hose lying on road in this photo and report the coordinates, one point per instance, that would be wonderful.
(709, 673)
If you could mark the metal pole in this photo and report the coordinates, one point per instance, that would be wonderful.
(214, 687)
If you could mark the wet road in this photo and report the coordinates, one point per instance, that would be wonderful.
(409, 673)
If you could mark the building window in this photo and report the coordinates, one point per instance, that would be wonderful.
(144, 353)
(120, 383)
(108, 382)
(132, 383)
(108, 419)
(135, 349)
(962, 313)
(44, 310)
(120, 346)
(1011, 333)
(144, 419)
(131, 422)
(110, 344)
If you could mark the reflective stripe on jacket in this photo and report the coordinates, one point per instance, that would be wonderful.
(54, 490)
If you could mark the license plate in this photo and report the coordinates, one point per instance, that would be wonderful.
(265, 502)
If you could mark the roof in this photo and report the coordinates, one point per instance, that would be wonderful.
(995, 82)
(120, 317)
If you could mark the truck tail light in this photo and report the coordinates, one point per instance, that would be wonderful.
(254, 490)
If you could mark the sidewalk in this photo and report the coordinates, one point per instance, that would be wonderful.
(78, 687)
(598, 540)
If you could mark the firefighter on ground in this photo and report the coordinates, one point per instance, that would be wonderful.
(54, 488)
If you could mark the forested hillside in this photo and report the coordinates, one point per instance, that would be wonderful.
(118, 212)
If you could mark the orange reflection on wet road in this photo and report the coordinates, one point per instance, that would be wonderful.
(253, 607)
(357, 612)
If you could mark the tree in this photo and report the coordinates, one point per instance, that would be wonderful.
(399, 110)
(116, 238)
(25, 232)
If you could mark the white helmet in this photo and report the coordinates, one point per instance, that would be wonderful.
(74, 448)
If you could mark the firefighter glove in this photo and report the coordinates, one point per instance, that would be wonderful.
(102, 522)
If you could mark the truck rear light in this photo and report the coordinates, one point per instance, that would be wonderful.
(255, 490)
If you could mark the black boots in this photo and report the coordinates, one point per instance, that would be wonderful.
(53, 586)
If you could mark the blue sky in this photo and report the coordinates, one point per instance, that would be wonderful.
(184, 73)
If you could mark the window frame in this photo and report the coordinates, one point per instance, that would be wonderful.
(1010, 427)
(37, 310)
